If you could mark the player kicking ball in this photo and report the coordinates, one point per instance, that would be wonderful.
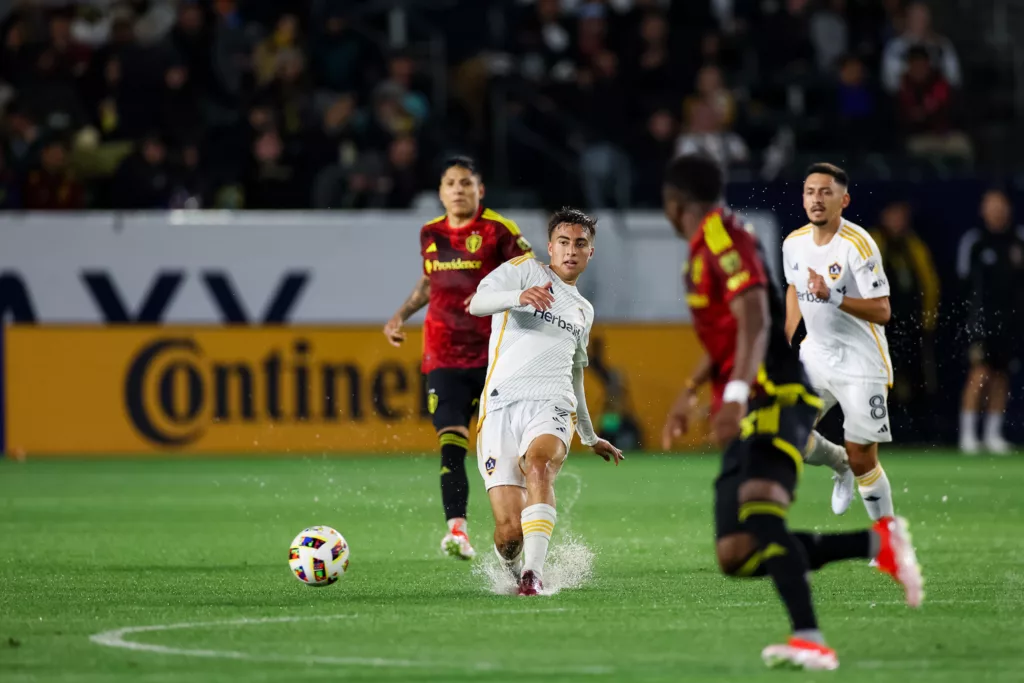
(763, 418)
(458, 250)
(838, 286)
(533, 397)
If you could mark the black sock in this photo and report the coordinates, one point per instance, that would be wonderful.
(454, 483)
(822, 549)
(784, 561)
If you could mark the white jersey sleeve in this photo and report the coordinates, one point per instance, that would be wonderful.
(868, 271)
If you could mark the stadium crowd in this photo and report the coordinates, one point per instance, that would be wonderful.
(136, 104)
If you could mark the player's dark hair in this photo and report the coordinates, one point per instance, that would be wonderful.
(572, 216)
(829, 169)
(460, 162)
(699, 178)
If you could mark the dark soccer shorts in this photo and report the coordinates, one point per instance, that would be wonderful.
(771, 446)
(453, 395)
(996, 351)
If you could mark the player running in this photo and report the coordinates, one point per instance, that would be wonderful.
(458, 250)
(533, 398)
(837, 285)
(764, 418)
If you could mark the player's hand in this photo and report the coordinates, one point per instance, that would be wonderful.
(540, 298)
(465, 304)
(678, 421)
(816, 286)
(726, 425)
(393, 331)
(608, 452)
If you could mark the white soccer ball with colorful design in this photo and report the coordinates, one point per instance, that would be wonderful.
(318, 556)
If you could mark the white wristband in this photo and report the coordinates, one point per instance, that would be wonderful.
(736, 391)
(835, 298)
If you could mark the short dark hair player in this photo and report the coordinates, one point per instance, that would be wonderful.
(458, 249)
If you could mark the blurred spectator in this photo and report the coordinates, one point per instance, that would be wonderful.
(926, 109)
(711, 90)
(651, 152)
(705, 136)
(400, 182)
(649, 71)
(919, 34)
(785, 48)
(603, 164)
(343, 61)
(142, 180)
(190, 186)
(272, 180)
(280, 44)
(914, 299)
(10, 190)
(544, 42)
(192, 38)
(829, 34)
(855, 106)
(52, 186)
(990, 262)
(403, 78)
(24, 138)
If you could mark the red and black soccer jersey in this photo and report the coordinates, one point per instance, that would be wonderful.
(726, 260)
(456, 259)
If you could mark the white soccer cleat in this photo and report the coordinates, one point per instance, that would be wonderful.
(997, 445)
(897, 558)
(842, 491)
(969, 444)
(456, 544)
(800, 654)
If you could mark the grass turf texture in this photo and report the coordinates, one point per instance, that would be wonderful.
(90, 546)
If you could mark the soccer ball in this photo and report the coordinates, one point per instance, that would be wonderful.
(318, 556)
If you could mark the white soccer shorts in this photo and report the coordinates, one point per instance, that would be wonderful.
(506, 433)
(864, 405)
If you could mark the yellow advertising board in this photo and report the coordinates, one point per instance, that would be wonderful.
(143, 390)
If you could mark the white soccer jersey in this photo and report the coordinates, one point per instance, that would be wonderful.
(850, 347)
(532, 354)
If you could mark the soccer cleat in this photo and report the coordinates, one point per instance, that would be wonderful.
(842, 491)
(997, 445)
(969, 444)
(896, 557)
(530, 583)
(456, 544)
(800, 654)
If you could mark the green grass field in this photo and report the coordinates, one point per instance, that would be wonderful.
(91, 547)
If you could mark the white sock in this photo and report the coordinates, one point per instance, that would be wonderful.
(824, 452)
(969, 425)
(515, 565)
(538, 525)
(877, 493)
(993, 426)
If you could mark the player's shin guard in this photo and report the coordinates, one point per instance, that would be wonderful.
(783, 559)
(876, 492)
(454, 483)
(824, 452)
(538, 525)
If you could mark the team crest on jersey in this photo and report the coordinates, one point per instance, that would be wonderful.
(432, 401)
(523, 244)
(834, 271)
(474, 242)
(489, 465)
(730, 262)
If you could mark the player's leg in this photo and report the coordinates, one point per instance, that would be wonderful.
(498, 463)
(451, 400)
(970, 400)
(866, 424)
(821, 451)
(998, 394)
(544, 445)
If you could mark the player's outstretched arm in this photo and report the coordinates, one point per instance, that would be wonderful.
(419, 298)
(488, 301)
(793, 314)
(584, 425)
(677, 422)
(874, 310)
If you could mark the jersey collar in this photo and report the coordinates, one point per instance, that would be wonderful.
(476, 218)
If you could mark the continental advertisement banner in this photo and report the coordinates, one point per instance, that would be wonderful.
(296, 390)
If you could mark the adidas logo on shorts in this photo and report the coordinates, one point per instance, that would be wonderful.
(884, 429)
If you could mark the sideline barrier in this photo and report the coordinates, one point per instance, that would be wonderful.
(169, 389)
